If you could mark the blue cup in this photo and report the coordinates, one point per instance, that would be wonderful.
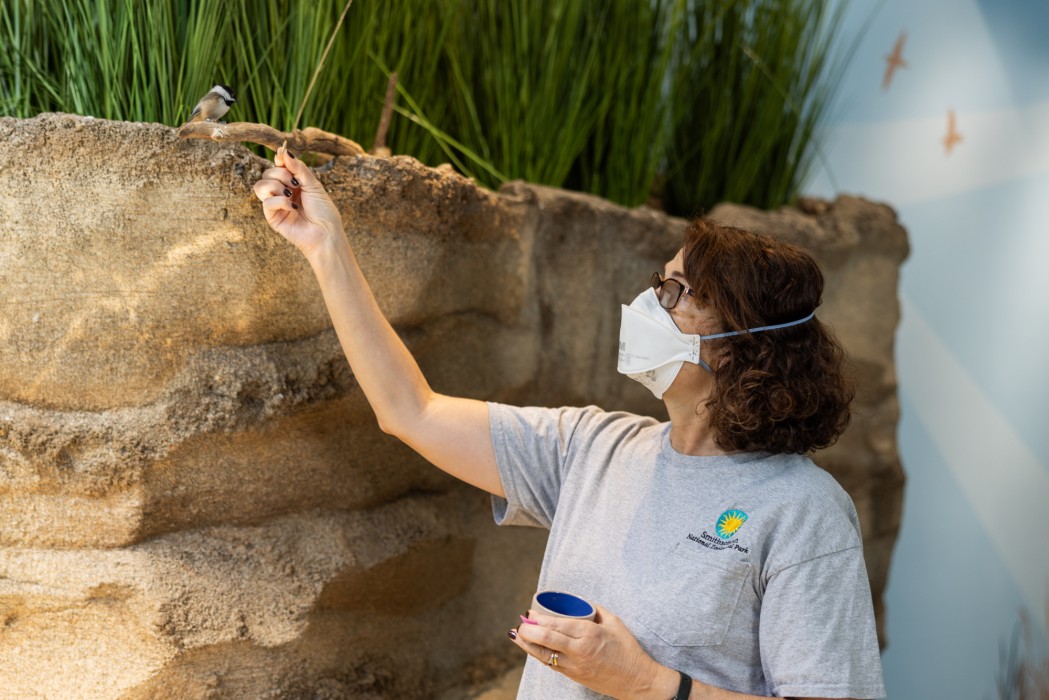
(561, 604)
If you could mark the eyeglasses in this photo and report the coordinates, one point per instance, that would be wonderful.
(669, 290)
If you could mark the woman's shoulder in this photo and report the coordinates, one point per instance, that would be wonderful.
(589, 414)
(599, 416)
(806, 478)
(576, 424)
(812, 504)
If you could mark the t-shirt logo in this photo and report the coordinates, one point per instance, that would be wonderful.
(730, 522)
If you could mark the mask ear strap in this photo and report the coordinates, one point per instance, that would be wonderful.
(759, 328)
(773, 327)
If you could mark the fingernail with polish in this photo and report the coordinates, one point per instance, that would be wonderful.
(289, 153)
(294, 205)
(527, 621)
(294, 182)
(287, 192)
(512, 634)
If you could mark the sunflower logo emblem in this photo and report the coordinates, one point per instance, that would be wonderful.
(730, 522)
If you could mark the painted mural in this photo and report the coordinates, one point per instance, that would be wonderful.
(944, 115)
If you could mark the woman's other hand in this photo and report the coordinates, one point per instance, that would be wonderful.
(296, 205)
(603, 655)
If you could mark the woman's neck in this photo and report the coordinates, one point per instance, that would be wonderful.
(691, 432)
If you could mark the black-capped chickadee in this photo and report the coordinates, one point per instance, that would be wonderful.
(213, 105)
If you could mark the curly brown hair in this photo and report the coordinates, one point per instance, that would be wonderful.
(782, 390)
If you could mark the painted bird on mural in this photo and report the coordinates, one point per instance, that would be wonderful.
(953, 137)
(894, 61)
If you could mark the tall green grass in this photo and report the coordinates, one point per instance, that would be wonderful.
(527, 75)
(722, 99)
(752, 84)
(625, 152)
(115, 59)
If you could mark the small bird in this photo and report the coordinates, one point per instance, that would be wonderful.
(953, 137)
(213, 105)
(894, 61)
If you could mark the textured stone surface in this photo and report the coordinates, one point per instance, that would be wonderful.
(195, 499)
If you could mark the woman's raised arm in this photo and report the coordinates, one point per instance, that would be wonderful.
(452, 433)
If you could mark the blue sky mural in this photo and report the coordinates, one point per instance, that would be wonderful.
(973, 346)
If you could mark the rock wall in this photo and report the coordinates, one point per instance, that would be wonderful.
(195, 499)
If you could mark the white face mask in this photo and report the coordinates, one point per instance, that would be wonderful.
(652, 349)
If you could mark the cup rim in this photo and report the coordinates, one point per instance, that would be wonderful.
(562, 603)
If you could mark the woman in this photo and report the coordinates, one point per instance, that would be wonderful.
(726, 564)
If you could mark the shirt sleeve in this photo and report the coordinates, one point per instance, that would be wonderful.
(817, 631)
(531, 450)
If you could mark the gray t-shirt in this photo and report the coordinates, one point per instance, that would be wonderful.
(745, 571)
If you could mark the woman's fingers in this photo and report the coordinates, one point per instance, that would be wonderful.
(570, 638)
(264, 189)
(544, 635)
(564, 625)
(277, 209)
(296, 204)
(283, 175)
(539, 651)
(550, 635)
(602, 655)
(299, 170)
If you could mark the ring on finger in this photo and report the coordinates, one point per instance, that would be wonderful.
(552, 661)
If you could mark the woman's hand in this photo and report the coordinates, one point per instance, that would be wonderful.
(602, 655)
(296, 205)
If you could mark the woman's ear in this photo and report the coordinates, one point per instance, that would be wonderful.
(714, 352)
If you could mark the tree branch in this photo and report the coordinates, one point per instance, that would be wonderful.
(379, 145)
(299, 141)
